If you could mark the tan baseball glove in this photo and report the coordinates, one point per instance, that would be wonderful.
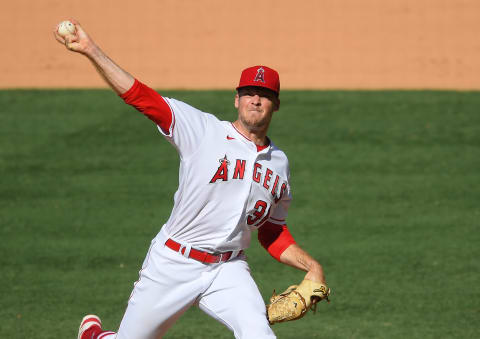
(296, 301)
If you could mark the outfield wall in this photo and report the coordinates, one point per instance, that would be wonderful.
(205, 43)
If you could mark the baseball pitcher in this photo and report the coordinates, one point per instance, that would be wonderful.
(233, 180)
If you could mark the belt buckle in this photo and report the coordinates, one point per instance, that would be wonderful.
(219, 256)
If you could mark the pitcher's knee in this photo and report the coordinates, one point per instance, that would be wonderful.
(257, 330)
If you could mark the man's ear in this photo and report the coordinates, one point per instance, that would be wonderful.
(276, 104)
(236, 100)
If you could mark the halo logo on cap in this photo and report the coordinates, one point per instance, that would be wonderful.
(260, 75)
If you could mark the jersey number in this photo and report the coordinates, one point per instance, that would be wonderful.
(260, 209)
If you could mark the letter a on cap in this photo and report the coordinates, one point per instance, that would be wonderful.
(260, 75)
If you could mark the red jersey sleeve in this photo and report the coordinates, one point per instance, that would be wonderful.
(151, 104)
(275, 238)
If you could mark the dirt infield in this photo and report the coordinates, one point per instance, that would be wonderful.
(205, 44)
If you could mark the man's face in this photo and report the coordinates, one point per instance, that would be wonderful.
(256, 106)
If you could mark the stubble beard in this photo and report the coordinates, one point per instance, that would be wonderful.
(254, 125)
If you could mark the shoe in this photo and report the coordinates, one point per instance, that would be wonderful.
(88, 322)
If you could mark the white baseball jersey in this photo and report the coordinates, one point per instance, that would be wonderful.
(226, 187)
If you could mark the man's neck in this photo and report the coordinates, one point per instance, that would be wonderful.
(258, 137)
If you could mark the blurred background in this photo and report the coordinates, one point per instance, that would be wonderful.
(204, 44)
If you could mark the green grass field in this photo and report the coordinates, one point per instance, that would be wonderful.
(386, 191)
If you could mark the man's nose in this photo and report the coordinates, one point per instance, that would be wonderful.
(256, 99)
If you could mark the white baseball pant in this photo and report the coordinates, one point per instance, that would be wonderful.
(170, 283)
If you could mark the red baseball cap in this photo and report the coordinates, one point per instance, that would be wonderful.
(260, 76)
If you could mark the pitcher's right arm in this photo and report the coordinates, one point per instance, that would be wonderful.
(117, 78)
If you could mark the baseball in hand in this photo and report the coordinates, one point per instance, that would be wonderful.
(65, 28)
